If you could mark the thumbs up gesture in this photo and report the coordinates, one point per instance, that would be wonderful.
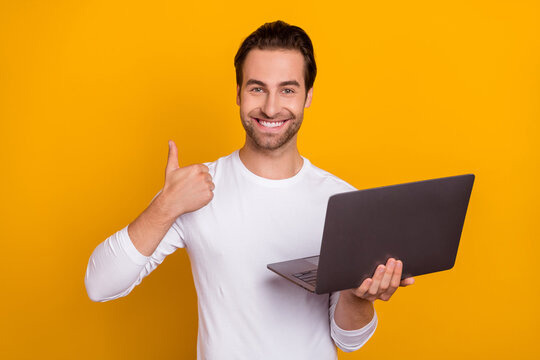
(186, 189)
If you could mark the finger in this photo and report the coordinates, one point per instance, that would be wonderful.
(362, 289)
(203, 168)
(377, 277)
(172, 160)
(407, 282)
(385, 282)
(394, 283)
(388, 293)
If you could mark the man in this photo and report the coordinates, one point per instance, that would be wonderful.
(261, 204)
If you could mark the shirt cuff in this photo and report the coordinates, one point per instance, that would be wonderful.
(352, 340)
(127, 245)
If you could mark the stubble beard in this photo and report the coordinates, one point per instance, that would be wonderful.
(270, 142)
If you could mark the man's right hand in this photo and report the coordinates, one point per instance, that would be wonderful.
(186, 189)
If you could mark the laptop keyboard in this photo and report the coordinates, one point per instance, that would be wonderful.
(309, 277)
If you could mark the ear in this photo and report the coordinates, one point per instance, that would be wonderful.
(309, 97)
(238, 95)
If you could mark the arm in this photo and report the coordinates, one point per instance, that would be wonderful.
(124, 259)
(354, 316)
(353, 312)
(116, 266)
(350, 338)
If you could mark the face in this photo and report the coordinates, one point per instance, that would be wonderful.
(272, 97)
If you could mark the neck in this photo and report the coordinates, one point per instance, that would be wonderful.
(277, 164)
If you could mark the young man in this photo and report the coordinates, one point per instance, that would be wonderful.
(261, 204)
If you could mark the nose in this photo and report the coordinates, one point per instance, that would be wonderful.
(271, 105)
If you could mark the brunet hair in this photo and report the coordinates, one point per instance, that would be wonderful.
(278, 35)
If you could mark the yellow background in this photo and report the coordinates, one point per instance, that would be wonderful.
(90, 92)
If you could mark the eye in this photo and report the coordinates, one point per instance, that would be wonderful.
(256, 89)
(288, 91)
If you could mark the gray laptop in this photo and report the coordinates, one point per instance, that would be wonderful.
(419, 223)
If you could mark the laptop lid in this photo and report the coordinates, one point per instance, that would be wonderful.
(419, 223)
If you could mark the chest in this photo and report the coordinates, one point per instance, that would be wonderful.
(256, 226)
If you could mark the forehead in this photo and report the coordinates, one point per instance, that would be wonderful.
(274, 66)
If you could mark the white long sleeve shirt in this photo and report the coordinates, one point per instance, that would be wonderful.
(245, 310)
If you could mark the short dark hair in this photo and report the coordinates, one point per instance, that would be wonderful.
(279, 35)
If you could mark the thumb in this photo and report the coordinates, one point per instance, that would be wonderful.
(172, 160)
(407, 281)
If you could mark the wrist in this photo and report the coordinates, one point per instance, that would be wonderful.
(350, 297)
(352, 312)
(159, 213)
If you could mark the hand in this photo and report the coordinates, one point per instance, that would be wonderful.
(186, 189)
(384, 283)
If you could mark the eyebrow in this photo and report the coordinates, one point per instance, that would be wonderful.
(283, 83)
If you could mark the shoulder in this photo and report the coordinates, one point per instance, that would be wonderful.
(216, 167)
(323, 177)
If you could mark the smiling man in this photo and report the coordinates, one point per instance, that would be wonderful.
(272, 112)
(260, 204)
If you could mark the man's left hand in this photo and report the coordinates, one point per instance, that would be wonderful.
(384, 282)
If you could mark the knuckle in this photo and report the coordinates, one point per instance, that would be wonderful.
(192, 169)
(202, 177)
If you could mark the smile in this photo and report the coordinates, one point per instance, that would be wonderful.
(270, 124)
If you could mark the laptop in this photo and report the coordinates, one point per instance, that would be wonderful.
(419, 223)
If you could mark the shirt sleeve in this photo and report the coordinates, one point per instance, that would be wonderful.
(349, 340)
(116, 266)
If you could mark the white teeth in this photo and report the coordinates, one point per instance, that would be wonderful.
(271, 124)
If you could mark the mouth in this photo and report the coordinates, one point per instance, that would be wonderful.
(270, 124)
